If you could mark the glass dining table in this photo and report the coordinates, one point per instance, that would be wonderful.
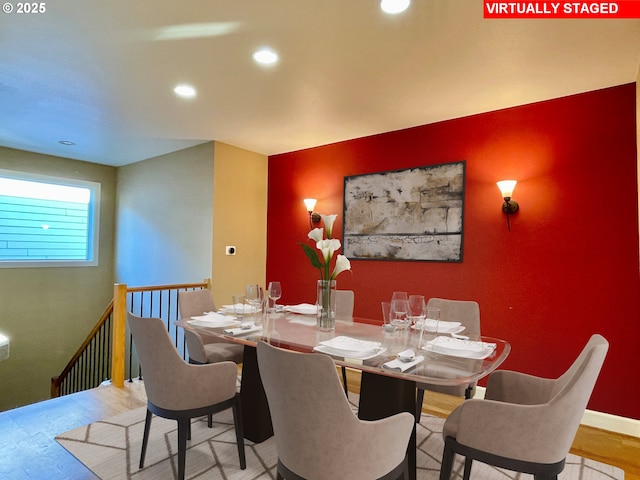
(388, 384)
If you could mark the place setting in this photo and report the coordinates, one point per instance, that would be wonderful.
(348, 347)
(213, 320)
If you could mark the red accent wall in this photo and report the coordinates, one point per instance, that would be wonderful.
(567, 269)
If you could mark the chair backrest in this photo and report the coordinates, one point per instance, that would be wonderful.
(464, 311)
(195, 302)
(192, 303)
(344, 304)
(572, 390)
(169, 381)
(309, 411)
(159, 359)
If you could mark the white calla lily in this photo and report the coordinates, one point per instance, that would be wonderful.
(316, 234)
(328, 248)
(328, 223)
(342, 264)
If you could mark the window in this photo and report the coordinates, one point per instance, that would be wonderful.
(47, 221)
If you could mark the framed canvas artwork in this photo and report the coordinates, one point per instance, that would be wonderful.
(411, 214)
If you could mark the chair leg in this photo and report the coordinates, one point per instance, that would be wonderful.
(344, 381)
(467, 468)
(419, 400)
(184, 425)
(145, 436)
(237, 421)
(210, 421)
(405, 473)
(467, 392)
(447, 462)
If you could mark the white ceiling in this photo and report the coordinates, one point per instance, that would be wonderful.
(101, 72)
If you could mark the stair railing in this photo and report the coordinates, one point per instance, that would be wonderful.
(106, 353)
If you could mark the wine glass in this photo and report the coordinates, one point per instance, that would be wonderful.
(399, 312)
(254, 296)
(275, 292)
(417, 309)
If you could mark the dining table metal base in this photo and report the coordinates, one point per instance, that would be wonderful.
(256, 416)
(382, 396)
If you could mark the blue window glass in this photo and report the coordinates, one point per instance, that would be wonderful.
(47, 221)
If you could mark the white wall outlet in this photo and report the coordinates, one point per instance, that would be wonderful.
(230, 250)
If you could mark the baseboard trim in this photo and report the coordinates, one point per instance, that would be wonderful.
(604, 421)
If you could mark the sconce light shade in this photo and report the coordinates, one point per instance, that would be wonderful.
(509, 206)
(506, 187)
(314, 217)
(310, 203)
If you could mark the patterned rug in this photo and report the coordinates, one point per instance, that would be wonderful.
(111, 450)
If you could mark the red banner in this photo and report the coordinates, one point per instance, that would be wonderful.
(561, 9)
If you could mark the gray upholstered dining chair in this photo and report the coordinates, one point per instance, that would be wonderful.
(345, 300)
(318, 436)
(468, 314)
(181, 391)
(205, 348)
(525, 423)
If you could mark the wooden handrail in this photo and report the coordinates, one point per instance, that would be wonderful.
(55, 381)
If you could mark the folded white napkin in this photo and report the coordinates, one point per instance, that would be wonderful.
(242, 331)
(400, 366)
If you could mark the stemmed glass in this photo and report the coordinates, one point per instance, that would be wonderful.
(418, 310)
(399, 312)
(275, 292)
(255, 296)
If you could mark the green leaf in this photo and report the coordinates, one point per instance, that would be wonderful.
(311, 255)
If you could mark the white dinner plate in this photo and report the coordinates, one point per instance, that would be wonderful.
(440, 329)
(355, 355)
(230, 310)
(215, 324)
(445, 327)
(302, 309)
(460, 348)
(350, 345)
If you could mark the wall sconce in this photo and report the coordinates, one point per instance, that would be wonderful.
(509, 206)
(314, 217)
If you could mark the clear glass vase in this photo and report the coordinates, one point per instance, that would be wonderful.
(326, 303)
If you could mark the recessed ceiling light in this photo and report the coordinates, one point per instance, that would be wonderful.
(185, 91)
(265, 56)
(394, 6)
(66, 142)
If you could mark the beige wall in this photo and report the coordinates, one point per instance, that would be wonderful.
(165, 218)
(48, 312)
(239, 219)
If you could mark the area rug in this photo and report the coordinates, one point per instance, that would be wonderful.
(111, 450)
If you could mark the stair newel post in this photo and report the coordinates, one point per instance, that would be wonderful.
(118, 334)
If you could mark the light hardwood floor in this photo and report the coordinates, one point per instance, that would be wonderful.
(28, 450)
